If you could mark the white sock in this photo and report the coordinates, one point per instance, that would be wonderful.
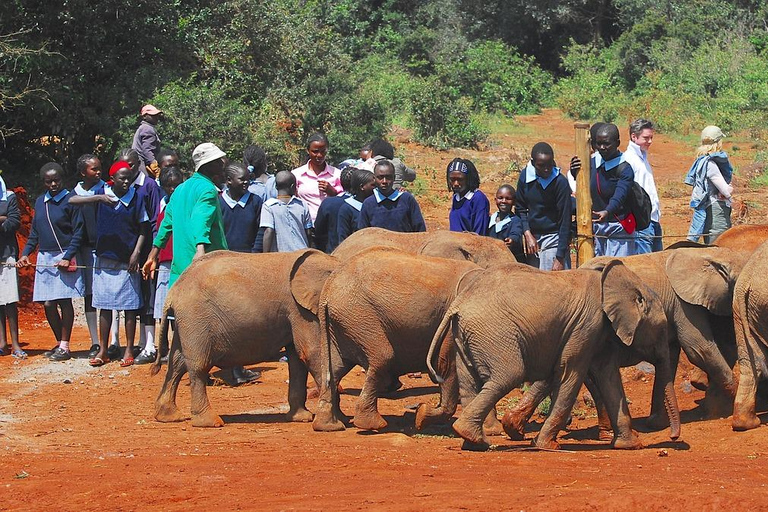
(142, 335)
(115, 329)
(64, 345)
(149, 333)
(90, 319)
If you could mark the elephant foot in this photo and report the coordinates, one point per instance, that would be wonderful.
(207, 420)
(545, 444)
(605, 434)
(492, 426)
(474, 447)
(427, 415)
(719, 404)
(699, 379)
(514, 425)
(299, 416)
(369, 421)
(743, 422)
(326, 421)
(168, 414)
(657, 421)
(470, 432)
(628, 443)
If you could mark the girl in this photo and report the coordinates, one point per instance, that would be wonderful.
(317, 179)
(57, 232)
(362, 184)
(89, 168)
(710, 176)
(122, 226)
(262, 184)
(387, 208)
(10, 221)
(505, 225)
(470, 207)
(240, 210)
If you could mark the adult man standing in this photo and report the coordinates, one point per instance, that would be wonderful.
(641, 133)
(146, 141)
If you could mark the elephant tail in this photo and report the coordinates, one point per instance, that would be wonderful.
(162, 338)
(437, 341)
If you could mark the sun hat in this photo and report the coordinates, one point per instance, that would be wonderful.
(206, 152)
(711, 134)
(150, 110)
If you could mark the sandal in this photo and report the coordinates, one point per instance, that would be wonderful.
(128, 361)
(97, 361)
(19, 354)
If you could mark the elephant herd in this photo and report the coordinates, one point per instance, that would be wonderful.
(459, 306)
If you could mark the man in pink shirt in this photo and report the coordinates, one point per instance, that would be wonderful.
(317, 179)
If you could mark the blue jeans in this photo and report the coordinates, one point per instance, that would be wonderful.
(697, 225)
(649, 239)
(547, 253)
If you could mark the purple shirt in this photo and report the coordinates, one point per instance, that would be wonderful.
(146, 142)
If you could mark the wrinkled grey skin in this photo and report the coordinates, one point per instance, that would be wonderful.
(234, 309)
(505, 337)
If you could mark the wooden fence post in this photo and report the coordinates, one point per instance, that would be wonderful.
(584, 243)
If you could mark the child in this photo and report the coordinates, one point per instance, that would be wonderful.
(326, 222)
(470, 207)
(262, 184)
(146, 141)
(121, 229)
(505, 225)
(10, 221)
(240, 210)
(362, 184)
(57, 232)
(89, 168)
(395, 210)
(167, 158)
(286, 219)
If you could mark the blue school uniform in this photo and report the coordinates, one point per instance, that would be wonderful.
(118, 229)
(326, 223)
(290, 221)
(349, 215)
(86, 256)
(57, 232)
(610, 185)
(469, 212)
(241, 221)
(263, 190)
(398, 211)
(9, 248)
(509, 227)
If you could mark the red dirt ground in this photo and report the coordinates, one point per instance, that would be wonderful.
(77, 438)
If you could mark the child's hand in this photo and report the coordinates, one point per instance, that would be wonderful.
(599, 216)
(107, 200)
(575, 166)
(508, 242)
(62, 263)
(557, 265)
(23, 262)
(133, 263)
(531, 247)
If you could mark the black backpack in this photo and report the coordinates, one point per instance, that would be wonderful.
(638, 202)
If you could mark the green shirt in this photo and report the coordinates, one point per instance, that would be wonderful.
(193, 216)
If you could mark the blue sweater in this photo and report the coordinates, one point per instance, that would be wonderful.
(9, 207)
(67, 223)
(326, 223)
(241, 223)
(118, 227)
(470, 214)
(510, 227)
(349, 216)
(88, 211)
(397, 212)
(545, 210)
(614, 185)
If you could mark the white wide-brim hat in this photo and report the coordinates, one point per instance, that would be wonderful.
(206, 152)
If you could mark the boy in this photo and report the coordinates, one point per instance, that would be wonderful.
(286, 220)
(387, 208)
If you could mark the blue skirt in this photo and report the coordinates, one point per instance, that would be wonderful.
(114, 287)
(163, 276)
(612, 240)
(54, 284)
(86, 256)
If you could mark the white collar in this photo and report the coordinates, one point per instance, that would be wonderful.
(3, 190)
(231, 202)
(81, 191)
(139, 181)
(126, 199)
(273, 200)
(58, 197)
(530, 175)
(637, 150)
(498, 226)
(354, 203)
(467, 196)
(394, 196)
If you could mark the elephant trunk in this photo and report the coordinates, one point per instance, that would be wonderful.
(670, 403)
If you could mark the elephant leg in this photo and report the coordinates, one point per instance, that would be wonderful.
(515, 419)
(608, 380)
(165, 406)
(470, 424)
(565, 389)
(426, 414)
(604, 428)
(297, 387)
(659, 419)
(750, 357)
(202, 415)
(328, 416)
(377, 377)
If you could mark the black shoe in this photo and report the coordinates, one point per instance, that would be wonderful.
(93, 351)
(60, 355)
(49, 353)
(114, 353)
(243, 376)
(136, 350)
(145, 358)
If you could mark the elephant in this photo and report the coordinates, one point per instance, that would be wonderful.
(235, 309)
(375, 315)
(482, 250)
(746, 237)
(505, 336)
(750, 318)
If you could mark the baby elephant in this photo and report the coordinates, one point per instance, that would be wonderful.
(550, 326)
(234, 309)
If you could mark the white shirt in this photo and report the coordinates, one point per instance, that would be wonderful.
(638, 159)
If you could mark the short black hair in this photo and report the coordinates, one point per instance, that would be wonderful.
(232, 170)
(164, 152)
(317, 137)
(284, 180)
(51, 166)
(382, 163)
(468, 168)
(637, 126)
(254, 156)
(82, 162)
(610, 130)
(127, 153)
(380, 147)
(359, 178)
(169, 173)
(542, 148)
(508, 187)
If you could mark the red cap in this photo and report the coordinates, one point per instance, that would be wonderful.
(120, 164)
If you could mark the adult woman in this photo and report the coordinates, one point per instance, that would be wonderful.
(317, 179)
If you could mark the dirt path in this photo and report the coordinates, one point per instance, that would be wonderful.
(77, 438)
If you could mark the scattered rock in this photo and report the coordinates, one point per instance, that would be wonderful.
(67, 381)
(663, 453)
(645, 367)
(686, 387)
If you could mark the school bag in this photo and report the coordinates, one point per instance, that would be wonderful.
(638, 202)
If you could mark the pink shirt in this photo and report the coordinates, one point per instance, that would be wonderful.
(307, 189)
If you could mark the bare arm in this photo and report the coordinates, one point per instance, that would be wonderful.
(269, 240)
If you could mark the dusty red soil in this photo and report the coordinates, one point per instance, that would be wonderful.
(77, 438)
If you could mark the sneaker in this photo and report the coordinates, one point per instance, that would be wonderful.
(93, 351)
(114, 352)
(49, 353)
(145, 358)
(60, 355)
(243, 375)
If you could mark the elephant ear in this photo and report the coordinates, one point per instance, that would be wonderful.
(308, 275)
(626, 301)
(702, 279)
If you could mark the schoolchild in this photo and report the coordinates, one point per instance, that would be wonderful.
(286, 219)
(469, 208)
(10, 221)
(89, 168)
(326, 222)
(261, 184)
(362, 184)
(167, 158)
(504, 225)
(57, 232)
(240, 210)
(387, 208)
(381, 149)
(122, 227)
(317, 179)
(543, 203)
(146, 141)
